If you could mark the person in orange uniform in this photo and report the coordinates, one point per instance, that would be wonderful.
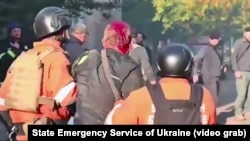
(139, 108)
(51, 27)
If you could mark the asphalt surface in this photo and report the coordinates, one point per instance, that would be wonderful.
(224, 110)
(227, 97)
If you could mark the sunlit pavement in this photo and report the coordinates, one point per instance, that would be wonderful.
(225, 110)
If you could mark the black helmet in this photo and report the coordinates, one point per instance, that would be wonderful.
(175, 61)
(50, 20)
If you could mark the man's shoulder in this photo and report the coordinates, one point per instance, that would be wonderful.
(71, 43)
(122, 61)
(206, 47)
(73, 48)
(27, 43)
(92, 54)
(204, 50)
(138, 50)
(61, 58)
(136, 45)
(68, 44)
(240, 42)
(128, 61)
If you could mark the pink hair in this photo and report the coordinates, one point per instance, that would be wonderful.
(117, 36)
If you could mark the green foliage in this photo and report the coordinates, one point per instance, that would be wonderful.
(202, 16)
(86, 6)
(139, 14)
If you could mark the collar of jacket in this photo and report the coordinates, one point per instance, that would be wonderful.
(48, 43)
(74, 39)
(135, 46)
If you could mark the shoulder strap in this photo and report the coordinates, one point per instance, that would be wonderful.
(156, 93)
(196, 94)
(219, 55)
(242, 54)
(79, 61)
(46, 52)
(107, 73)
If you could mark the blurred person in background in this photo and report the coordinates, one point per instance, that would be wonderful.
(140, 38)
(211, 63)
(74, 46)
(14, 38)
(241, 67)
(11, 47)
(139, 54)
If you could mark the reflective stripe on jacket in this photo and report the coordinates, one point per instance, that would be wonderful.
(58, 84)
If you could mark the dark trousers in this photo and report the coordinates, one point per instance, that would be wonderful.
(213, 85)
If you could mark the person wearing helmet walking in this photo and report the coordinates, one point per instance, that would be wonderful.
(171, 101)
(55, 86)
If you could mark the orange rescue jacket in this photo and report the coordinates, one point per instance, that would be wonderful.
(138, 107)
(57, 84)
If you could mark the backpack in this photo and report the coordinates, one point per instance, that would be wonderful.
(97, 90)
(176, 112)
(24, 82)
(87, 62)
(84, 64)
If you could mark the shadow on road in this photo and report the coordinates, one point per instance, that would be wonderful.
(228, 93)
(223, 115)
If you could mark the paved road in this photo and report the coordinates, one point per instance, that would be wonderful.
(225, 107)
(226, 98)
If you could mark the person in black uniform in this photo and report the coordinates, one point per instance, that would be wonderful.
(11, 47)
